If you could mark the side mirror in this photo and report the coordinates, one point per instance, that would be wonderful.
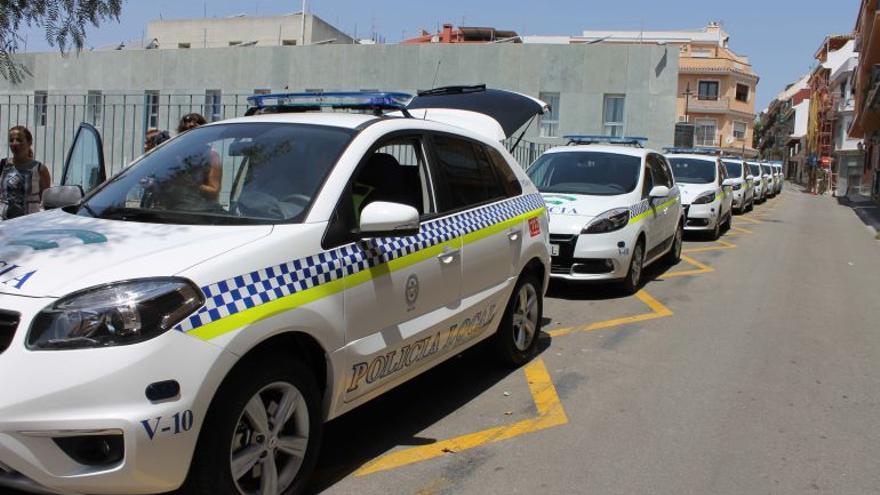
(61, 196)
(729, 182)
(381, 219)
(659, 192)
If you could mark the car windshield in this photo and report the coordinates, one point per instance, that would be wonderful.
(755, 169)
(693, 170)
(734, 169)
(246, 173)
(586, 172)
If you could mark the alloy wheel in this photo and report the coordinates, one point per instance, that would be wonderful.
(525, 317)
(270, 440)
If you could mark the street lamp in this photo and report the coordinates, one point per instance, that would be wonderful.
(687, 99)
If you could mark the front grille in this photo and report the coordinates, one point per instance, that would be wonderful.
(698, 222)
(561, 264)
(8, 324)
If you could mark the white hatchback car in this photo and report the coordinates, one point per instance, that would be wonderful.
(160, 334)
(614, 209)
(743, 184)
(706, 192)
(759, 181)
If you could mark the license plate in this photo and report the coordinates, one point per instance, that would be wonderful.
(554, 250)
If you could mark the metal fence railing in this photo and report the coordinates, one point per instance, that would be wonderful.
(122, 119)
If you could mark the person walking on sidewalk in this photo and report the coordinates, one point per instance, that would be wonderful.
(22, 179)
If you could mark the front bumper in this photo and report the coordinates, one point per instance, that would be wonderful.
(46, 395)
(702, 217)
(593, 257)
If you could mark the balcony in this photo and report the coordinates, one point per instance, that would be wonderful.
(721, 105)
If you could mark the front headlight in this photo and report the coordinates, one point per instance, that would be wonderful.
(116, 314)
(704, 199)
(609, 221)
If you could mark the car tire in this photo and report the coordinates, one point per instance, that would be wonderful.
(631, 283)
(230, 428)
(673, 257)
(716, 231)
(516, 341)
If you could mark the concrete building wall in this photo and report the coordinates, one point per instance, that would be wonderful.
(223, 32)
(580, 74)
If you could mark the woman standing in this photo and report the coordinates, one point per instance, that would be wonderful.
(22, 179)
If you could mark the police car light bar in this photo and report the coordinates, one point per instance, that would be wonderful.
(364, 100)
(592, 139)
(693, 151)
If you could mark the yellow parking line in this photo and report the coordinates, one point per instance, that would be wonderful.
(723, 245)
(550, 414)
(742, 230)
(658, 310)
(750, 220)
(701, 269)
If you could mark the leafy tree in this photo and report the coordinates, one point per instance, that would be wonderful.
(64, 21)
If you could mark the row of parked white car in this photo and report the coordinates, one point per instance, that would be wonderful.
(156, 336)
(616, 207)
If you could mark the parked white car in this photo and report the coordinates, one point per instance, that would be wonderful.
(759, 181)
(614, 209)
(160, 332)
(743, 188)
(706, 192)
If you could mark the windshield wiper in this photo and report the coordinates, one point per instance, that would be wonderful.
(131, 215)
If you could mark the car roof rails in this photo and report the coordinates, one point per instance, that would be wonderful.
(377, 102)
(692, 151)
(574, 139)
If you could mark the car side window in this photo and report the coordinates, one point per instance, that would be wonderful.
(667, 170)
(722, 173)
(395, 171)
(659, 176)
(649, 180)
(504, 172)
(465, 176)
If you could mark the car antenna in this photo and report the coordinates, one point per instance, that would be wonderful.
(434, 83)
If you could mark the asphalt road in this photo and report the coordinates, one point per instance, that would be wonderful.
(755, 369)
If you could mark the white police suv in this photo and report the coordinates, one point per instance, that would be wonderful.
(706, 191)
(614, 209)
(163, 333)
(743, 188)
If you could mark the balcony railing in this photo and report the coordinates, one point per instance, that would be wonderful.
(720, 105)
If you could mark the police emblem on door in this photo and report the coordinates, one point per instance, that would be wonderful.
(412, 291)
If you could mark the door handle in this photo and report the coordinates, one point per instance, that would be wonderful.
(448, 256)
(514, 235)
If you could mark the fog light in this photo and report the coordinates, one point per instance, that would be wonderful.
(93, 450)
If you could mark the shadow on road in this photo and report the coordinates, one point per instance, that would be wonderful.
(867, 210)
(396, 418)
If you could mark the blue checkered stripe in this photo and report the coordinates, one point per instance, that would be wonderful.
(243, 292)
(639, 208)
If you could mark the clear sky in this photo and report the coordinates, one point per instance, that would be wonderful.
(780, 36)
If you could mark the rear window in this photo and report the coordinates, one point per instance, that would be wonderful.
(692, 170)
(469, 178)
(583, 172)
(733, 169)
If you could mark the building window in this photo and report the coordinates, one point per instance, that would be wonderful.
(705, 132)
(612, 115)
(184, 45)
(739, 130)
(213, 105)
(41, 102)
(94, 107)
(288, 42)
(151, 98)
(708, 90)
(549, 122)
(742, 92)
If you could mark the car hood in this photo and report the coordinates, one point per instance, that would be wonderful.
(54, 253)
(570, 213)
(689, 192)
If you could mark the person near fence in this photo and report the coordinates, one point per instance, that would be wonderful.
(22, 179)
(206, 167)
(155, 137)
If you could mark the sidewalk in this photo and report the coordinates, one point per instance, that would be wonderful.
(866, 209)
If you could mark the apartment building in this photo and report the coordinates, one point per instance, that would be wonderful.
(866, 81)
